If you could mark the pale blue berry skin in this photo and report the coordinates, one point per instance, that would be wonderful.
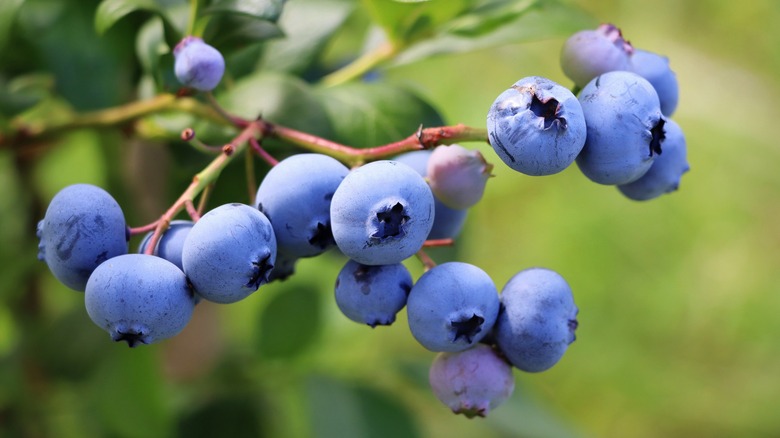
(197, 64)
(171, 243)
(447, 222)
(229, 253)
(536, 127)
(666, 172)
(655, 68)
(624, 128)
(592, 52)
(381, 213)
(537, 321)
(139, 298)
(83, 227)
(295, 195)
(372, 295)
(452, 307)
(472, 382)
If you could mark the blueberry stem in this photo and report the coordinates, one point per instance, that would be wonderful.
(362, 64)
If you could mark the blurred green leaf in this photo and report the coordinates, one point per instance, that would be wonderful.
(370, 114)
(278, 98)
(129, 393)
(235, 415)
(344, 410)
(8, 9)
(269, 10)
(308, 25)
(230, 32)
(500, 24)
(111, 11)
(78, 158)
(290, 322)
(407, 22)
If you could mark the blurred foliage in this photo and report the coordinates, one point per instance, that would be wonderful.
(678, 296)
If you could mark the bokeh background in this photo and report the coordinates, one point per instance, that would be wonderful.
(679, 297)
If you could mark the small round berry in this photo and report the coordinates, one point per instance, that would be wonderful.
(197, 64)
(592, 52)
(471, 382)
(372, 295)
(667, 170)
(457, 175)
(624, 128)
(229, 253)
(447, 222)
(171, 243)
(83, 227)
(295, 195)
(655, 68)
(381, 213)
(452, 307)
(139, 298)
(537, 320)
(536, 126)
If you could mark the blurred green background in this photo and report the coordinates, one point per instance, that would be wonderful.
(678, 296)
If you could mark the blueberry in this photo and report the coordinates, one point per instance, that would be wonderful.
(229, 253)
(381, 213)
(372, 295)
(471, 382)
(537, 320)
(295, 195)
(452, 307)
(284, 267)
(667, 169)
(592, 52)
(536, 126)
(624, 128)
(447, 222)
(655, 68)
(197, 64)
(457, 175)
(171, 243)
(139, 298)
(83, 227)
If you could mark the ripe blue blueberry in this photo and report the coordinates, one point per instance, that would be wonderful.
(655, 68)
(625, 128)
(457, 176)
(447, 222)
(139, 298)
(295, 195)
(229, 253)
(197, 64)
(536, 126)
(83, 227)
(372, 295)
(452, 307)
(381, 213)
(537, 320)
(171, 243)
(592, 52)
(667, 169)
(471, 382)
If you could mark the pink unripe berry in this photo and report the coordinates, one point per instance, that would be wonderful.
(457, 175)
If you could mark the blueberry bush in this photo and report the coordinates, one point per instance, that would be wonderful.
(365, 218)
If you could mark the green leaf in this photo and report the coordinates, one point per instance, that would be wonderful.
(407, 22)
(290, 322)
(269, 10)
(229, 32)
(8, 9)
(370, 114)
(308, 25)
(344, 410)
(110, 11)
(278, 98)
(235, 414)
(492, 27)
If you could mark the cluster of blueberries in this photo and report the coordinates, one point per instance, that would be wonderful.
(382, 213)
(617, 128)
